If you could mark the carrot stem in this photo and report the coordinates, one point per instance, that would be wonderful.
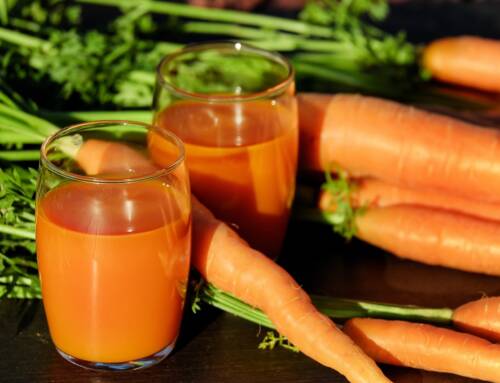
(226, 302)
(71, 116)
(335, 308)
(19, 117)
(232, 30)
(5, 229)
(224, 15)
(339, 308)
(22, 39)
(283, 41)
(19, 155)
(355, 79)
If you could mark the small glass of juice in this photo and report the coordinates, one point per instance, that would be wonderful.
(113, 234)
(235, 110)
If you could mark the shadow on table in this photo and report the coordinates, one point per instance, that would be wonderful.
(406, 375)
(16, 315)
(327, 264)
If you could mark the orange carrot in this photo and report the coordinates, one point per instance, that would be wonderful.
(313, 132)
(101, 157)
(426, 347)
(433, 237)
(227, 261)
(399, 144)
(465, 60)
(481, 317)
(376, 193)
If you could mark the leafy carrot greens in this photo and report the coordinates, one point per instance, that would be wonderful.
(45, 42)
(18, 267)
(343, 217)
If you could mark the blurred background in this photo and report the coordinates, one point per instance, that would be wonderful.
(422, 20)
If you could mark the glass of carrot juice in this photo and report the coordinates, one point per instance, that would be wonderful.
(113, 235)
(234, 108)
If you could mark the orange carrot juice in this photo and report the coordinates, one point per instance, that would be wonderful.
(113, 261)
(242, 160)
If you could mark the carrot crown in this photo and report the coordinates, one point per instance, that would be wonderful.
(343, 216)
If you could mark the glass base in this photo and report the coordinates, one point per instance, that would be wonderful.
(137, 364)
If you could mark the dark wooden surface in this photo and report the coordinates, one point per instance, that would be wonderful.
(217, 347)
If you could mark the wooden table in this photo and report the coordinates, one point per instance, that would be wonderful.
(216, 347)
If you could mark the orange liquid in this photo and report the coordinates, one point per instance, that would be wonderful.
(113, 262)
(242, 162)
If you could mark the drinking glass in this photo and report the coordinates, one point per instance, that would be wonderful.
(234, 107)
(113, 234)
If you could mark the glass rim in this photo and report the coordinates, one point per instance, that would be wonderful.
(45, 162)
(219, 98)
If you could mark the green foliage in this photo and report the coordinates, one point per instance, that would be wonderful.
(17, 191)
(346, 18)
(92, 67)
(69, 64)
(18, 268)
(21, 132)
(343, 215)
(196, 298)
(339, 13)
(371, 61)
(39, 13)
(272, 339)
(72, 65)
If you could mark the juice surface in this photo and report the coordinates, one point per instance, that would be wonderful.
(242, 162)
(113, 261)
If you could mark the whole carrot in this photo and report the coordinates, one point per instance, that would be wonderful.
(400, 144)
(433, 237)
(426, 347)
(373, 192)
(464, 60)
(227, 261)
(422, 234)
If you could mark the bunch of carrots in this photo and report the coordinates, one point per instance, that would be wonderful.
(228, 262)
(425, 187)
(428, 185)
